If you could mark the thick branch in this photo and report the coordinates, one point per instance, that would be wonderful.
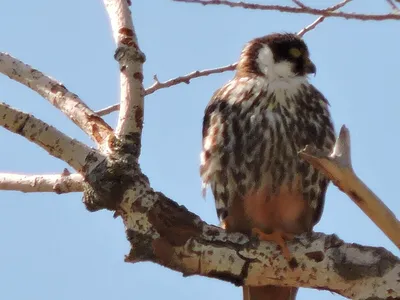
(56, 143)
(161, 231)
(130, 60)
(299, 10)
(59, 184)
(337, 167)
(58, 95)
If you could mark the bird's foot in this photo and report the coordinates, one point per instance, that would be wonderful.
(277, 236)
(226, 223)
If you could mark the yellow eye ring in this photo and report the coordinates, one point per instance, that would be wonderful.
(295, 52)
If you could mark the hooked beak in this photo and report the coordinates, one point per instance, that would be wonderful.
(310, 67)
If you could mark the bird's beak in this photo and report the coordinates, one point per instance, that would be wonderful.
(310, 67)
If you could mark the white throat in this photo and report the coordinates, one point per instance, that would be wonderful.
(279, 75)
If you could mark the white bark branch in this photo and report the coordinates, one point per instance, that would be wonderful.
(56, 143)
(337, 167)
(163, 232)
(130, 60)
(58, 95)
(59, 184)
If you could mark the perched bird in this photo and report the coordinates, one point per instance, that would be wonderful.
(253, 128)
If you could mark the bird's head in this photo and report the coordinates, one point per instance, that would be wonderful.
(276, 56)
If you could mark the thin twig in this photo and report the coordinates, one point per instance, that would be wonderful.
(298, 10)
(321, 18)
(157, 85)
(186, 78)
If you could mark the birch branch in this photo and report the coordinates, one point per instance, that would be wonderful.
(58, 95)
(163, 232)
(299, 10)
(337, 167)
(56, 143)
(130, 59)
(59, 184)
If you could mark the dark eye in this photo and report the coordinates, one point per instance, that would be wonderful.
(295, 52)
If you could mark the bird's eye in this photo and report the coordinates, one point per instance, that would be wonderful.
(295, 52)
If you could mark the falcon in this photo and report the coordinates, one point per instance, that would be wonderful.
(253, 128)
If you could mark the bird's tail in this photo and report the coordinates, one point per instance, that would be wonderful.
(269, 292)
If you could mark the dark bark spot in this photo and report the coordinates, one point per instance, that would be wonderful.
(293, 264)
(212, 232)
(138, 76)
(126, 31)
(349, 270)
(226, 276)
(139, 117)
(332, 241)
(316, 256)
(59, 88)
(141, 247)
(137, 205)
(174, 222)
(127, 41)
(163, 251)
(21, 127)
(353, 195)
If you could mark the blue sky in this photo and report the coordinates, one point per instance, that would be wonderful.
(52, 248)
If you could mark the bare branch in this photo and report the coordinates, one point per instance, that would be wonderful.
(298, 10)
(186, 78)
(130, 60)
(157, 85)
(161, 231)
(171, 82)
(58, 95)
(337, 166)
(321, 18)
(58, 184)
(47, 137)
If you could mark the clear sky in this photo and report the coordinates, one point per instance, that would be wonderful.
(52, 248)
